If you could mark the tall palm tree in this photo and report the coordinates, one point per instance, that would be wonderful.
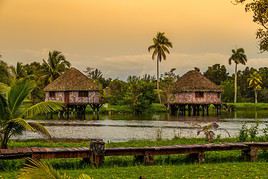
(238, 57)
(14, 110)
(255, 82)
(160, 47)
(55, 65)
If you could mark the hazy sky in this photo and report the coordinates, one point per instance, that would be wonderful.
(113, 35)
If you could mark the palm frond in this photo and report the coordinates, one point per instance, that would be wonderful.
(37, 127)
(4, 88)
(84, 176)
(21, 122)
(42, 108)
(37, 169)
(18, 92)
(150, 48)
(3, 108)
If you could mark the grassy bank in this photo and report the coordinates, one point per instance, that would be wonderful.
(155, 108)
(249, 106)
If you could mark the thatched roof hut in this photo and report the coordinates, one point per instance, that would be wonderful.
(72, 80)
(193, 92)
(73, 88)
(195, 81)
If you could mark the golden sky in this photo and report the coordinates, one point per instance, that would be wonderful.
(113, 35)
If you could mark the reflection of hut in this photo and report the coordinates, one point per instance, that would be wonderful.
(194, 93)
(75, 90)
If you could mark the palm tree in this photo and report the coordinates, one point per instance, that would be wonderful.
(238, 57)
(19, 71)
(160, 47)
(55, 65)
(14, 110)
(255, 82)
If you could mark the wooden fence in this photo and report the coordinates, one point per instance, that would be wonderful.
(96, 152)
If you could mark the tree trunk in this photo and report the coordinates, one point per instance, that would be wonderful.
(235, 84)
(4, 141)
(158, 81)
(256, 96)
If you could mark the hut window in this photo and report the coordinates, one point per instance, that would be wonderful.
(52, 94)
(83, 94)
(219, 95)
(199, 94)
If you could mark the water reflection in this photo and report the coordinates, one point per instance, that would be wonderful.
(123, 127)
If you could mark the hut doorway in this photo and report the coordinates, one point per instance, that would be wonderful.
(66, 97)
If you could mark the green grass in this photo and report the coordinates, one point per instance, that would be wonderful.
(155, 108)
(133, 143)
(223, 170)
(251, 106)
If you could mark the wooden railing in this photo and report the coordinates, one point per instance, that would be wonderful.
(96, 152)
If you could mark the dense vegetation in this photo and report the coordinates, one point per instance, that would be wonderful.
(138, 92)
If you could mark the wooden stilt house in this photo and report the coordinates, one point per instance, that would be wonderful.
(76, 91)
(193, 94)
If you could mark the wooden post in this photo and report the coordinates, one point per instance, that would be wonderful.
(189, 109)
(97, 148)
(203, 110)
(250, 154)
(173, 109)
(199, 157)
(144, 159)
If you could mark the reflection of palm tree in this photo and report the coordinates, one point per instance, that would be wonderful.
(55, 65)
(255, 82)
(13, 110)
(238, 57)
(160, 47)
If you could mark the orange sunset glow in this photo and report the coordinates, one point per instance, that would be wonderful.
(113, 35)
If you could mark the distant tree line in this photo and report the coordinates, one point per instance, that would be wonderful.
(139, 92)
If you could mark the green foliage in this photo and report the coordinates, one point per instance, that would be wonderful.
(13, 111)
(260, 16)
(253, 131)
(140, 94)
(246, 133)
(55, 65)
(217, 73)
(5, 76)
(167, 82)
(37, 169)
(115, 92)
(228, 90)
(96, 74)
(243, 133)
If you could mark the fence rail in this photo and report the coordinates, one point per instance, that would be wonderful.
(96, 152)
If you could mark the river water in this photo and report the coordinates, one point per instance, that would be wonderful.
(128, 127)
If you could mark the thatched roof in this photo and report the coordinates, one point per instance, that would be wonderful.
(72, 80)
(195, 81)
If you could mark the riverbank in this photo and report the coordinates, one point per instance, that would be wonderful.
(248, 106)
(218, 164)
(161, 108)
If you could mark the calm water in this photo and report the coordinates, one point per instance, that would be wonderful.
(128, 127)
